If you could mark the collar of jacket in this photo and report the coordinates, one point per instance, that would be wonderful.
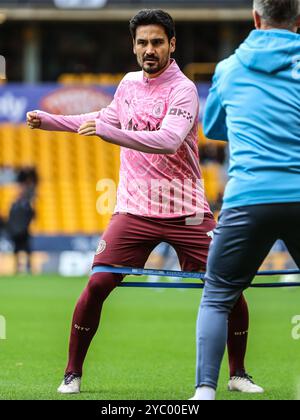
(168, 74)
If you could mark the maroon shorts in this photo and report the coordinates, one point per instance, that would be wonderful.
(129, 240)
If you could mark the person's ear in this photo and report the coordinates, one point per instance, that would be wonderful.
(257, 19)
(173, 45)
(133, 45)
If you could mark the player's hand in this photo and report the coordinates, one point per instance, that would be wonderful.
(88, 128)
(33, 120)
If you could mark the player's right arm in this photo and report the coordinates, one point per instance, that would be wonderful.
(52, 122)
(33, 120)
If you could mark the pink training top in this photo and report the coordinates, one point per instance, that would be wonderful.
(155, 121)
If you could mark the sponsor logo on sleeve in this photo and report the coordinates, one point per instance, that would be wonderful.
(181, 113)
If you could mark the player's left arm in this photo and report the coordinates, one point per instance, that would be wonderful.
(178, 122)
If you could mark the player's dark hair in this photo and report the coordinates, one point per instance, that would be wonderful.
(278, 11)
(153, 17)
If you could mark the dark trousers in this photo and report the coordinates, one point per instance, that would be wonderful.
(22, 243)
(242, 240)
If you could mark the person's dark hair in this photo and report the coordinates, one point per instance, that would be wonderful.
(153, 17)
(27, 175)
(284, 12)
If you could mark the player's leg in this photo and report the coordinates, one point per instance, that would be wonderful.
(128, 241)
(27, 250)
(192, 243)
(84, 326)
(291, 229)
(86, 317)
(242, 240)
(17, 249)
(237, 340)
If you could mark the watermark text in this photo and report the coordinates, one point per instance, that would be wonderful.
(296, 328)
(154, 198)
(2, 328)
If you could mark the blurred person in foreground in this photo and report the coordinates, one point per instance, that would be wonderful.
(2, 226)
(154, 117)
(254, 104)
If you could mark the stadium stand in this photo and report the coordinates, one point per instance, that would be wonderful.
(69, 170)
(90, 78)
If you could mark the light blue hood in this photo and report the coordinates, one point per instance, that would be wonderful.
(254, 103)
(269, 51)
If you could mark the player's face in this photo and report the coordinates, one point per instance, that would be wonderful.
(153, 49)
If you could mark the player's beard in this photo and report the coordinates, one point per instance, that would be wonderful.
(155, 65)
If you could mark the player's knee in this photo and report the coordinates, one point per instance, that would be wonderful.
(102, 284)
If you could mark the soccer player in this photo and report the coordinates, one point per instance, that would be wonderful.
(154, 118)
(254, 103)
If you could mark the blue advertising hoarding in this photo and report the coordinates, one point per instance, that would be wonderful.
(17, 99)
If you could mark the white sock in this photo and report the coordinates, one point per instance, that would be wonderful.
(205, 393)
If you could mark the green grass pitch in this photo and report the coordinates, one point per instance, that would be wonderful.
(145, 348)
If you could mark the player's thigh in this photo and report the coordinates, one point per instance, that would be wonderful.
(128, 241)
(192, 243)
(242, 240)
(291, 230)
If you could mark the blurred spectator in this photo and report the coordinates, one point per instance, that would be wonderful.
(21, 215)
(28, 179)
(213, 162)
(2, 225)
(212, 153)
